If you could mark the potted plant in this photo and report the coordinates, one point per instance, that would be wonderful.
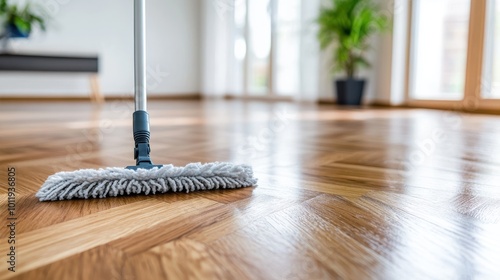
(347, 25)
(18, 22)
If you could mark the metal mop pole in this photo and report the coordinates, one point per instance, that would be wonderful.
(140, 116)
(140, 55)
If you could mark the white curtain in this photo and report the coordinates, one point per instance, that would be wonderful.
(215, 49)
(219, 76)
(310, 66)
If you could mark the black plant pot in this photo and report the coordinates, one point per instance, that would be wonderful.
(350, 91)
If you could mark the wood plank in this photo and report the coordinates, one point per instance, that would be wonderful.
(243, 212)
(101, 262)
(183, 259)
(49, 244)
(184, 217)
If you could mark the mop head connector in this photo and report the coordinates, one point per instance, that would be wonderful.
(116, 181)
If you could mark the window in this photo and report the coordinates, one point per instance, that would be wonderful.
(272, 49)
(454, 58)
(259, 46)
(491, 63)
(439, 49)
(287, 49)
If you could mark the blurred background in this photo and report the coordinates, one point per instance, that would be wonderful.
(435, 53)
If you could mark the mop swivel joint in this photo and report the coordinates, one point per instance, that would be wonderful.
(141, 154)
(141, 138)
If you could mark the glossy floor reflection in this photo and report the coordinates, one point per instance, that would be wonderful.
(343, 193)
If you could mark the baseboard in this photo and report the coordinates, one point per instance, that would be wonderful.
(406, 106)
(326, 101)
(190, 96)
(270, 98)
(36, 98)
(383, 104)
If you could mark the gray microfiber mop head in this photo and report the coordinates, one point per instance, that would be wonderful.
(92, 183)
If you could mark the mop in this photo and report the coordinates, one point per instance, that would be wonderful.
(145, 177)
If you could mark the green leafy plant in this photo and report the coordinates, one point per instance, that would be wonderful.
(347, 25)
(23, 18)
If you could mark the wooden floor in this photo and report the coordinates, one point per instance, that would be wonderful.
(342, 193)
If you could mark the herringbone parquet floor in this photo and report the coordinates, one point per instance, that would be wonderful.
(342, 193)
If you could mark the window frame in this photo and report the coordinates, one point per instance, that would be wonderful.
(472, 97)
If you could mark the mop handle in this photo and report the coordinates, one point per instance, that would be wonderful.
(140, 117)
(140, 95)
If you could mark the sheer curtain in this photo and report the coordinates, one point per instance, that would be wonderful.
(231, 39)
(310, 67)
(217, 23)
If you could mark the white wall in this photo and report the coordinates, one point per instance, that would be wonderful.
(106, 28)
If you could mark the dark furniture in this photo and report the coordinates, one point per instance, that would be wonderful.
(52, 63)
